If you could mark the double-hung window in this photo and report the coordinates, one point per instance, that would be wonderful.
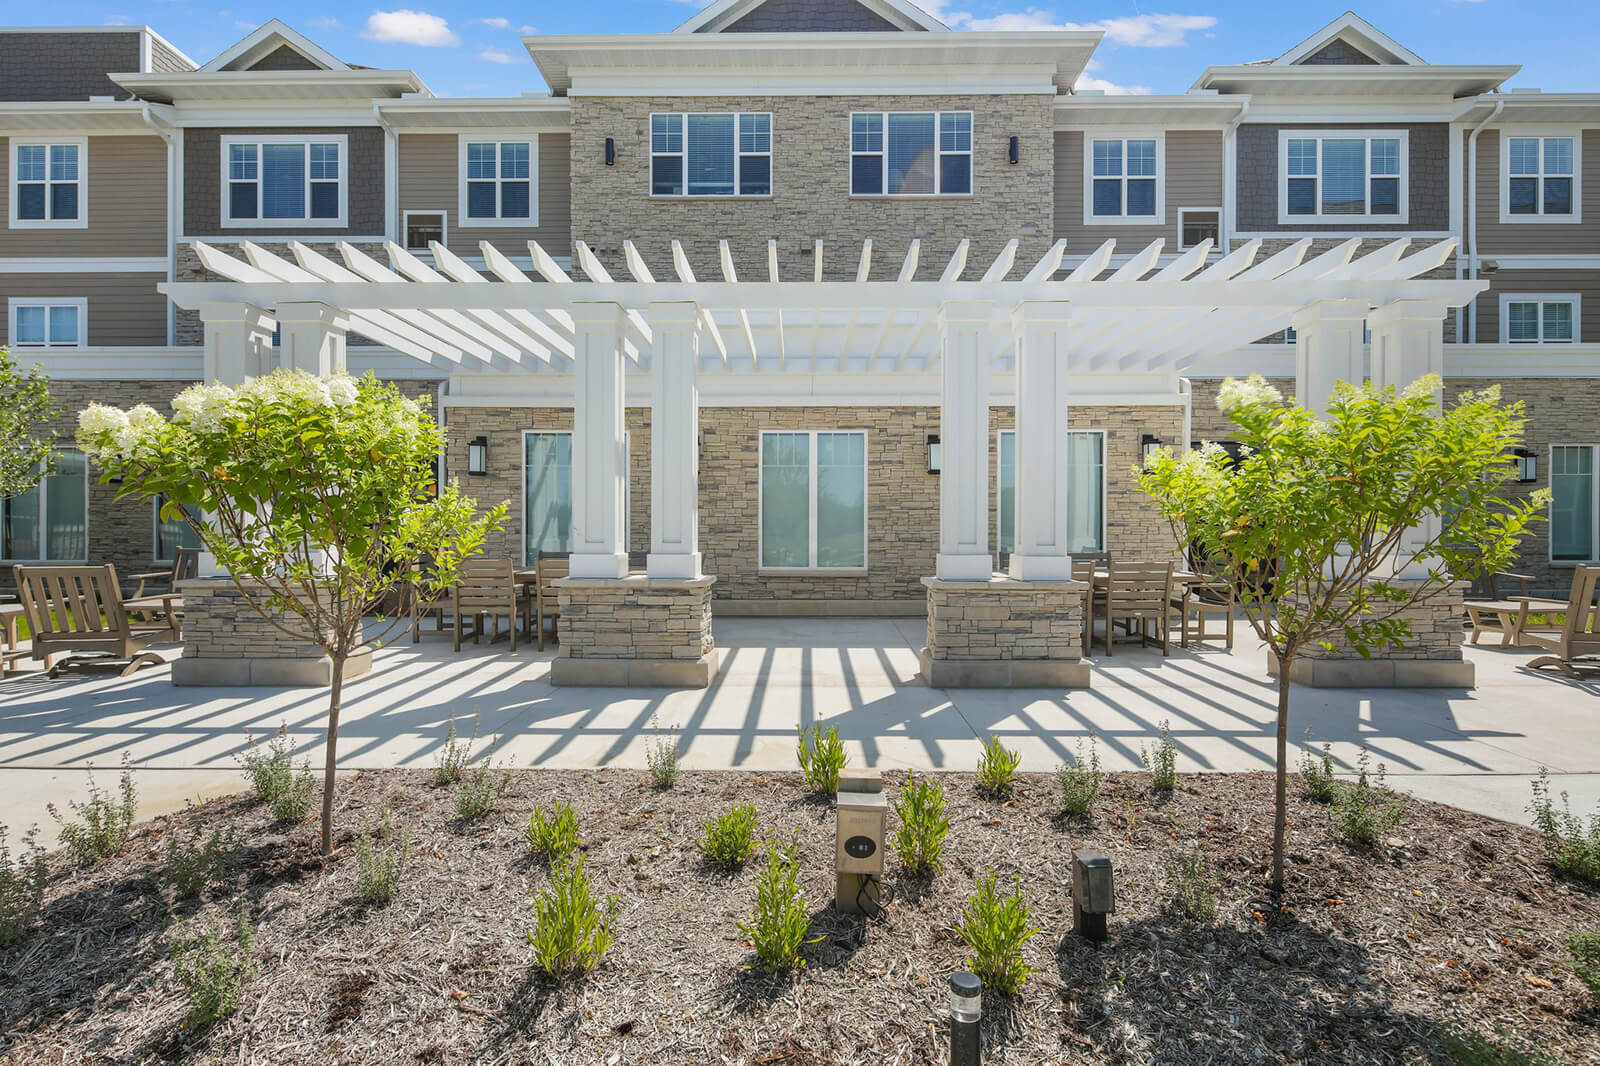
(49, 522)
(48, 323)
(1538, 319)
(813, 500)
(285, 181)
(499, 182)
(1539, 179)
(1343, 176)
(911, 153)
(1124, 182)
(49, 183)
(1086, 491)
(1574, 503)
(713, 154)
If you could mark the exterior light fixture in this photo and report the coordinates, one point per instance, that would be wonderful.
(934, 456)
(1092, 897)
(1527, 462)
(478, 456)
(966, 1010)
(1014, 150)
(611, 152)
(1148, 444)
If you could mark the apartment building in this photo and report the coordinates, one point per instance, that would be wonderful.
(769, 139)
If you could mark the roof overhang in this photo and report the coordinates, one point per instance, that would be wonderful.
(1326, 80)
(102, 117)
(539, 114)
(260, 86)
(1533, 107)
(811, 63)
(1199, 111)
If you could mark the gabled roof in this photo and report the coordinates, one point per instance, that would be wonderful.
(269, 38)
(898, 14)
(1358, 33)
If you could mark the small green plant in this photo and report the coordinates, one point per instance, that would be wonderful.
(731, 837)
(1363, 810)
(1194, 890)
(777, 930)
(1162, 762)
(212, 970)
(997, 768)
(193, 866)
(553, 836)
(661, 756)
(1585, 950)
(101, 823)
(22, 880)
(821, 754)
(291, 806)
(994, 929)
(379, 863)
(919, 837)
(572, 931)
(271, 772)
(1474, 1049)
(1316, 775)
(477, 793)
(451, 762)
(1574, 847)
(1080, 782)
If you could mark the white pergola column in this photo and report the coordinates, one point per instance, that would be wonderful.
(1408, 343)
(238, 343)
(964, 443)
(311, 337)
(599, 514)
(1039, 552)
(1329, 348)
(674, 442)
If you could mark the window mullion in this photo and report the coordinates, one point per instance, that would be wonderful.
(811, 488)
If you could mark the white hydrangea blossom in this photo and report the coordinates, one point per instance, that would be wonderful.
(203, 407)
(1426, 385)
(100, 418)
(1235, 393)
(342, 391)
(288, 387)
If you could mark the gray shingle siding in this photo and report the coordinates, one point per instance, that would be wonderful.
(810, 16)
(284, 58)
(66, 66)
(1339, 53)
(202, 178)
(165, 60)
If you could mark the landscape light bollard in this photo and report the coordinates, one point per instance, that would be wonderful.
(861, 811)
(966, 1010)
(1092, 896)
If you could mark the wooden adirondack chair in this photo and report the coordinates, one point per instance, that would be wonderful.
(78, 611)
(1576, 644)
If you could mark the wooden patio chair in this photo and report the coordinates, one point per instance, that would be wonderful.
(1140, 593)
(1576, 644)
(79, 612)
(169, 604)
(1196, 603)
(549, 567)
(10, 643)
(1083, 570)
(488, 589)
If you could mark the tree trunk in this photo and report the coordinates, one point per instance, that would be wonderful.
(332, 758)
(1280, 810)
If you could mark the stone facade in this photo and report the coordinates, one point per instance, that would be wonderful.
(227, 642)
(635, 631)
(1430, 657)
(1005, 633)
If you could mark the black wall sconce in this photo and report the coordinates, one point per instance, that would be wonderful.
(478, 456)
(934, 456)
(1527, 465)
(611, 152)
(1149, 444)
(1014, 151)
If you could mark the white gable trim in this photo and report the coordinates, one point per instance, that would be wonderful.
(723, 13)
(1359, 32)
(265, 39)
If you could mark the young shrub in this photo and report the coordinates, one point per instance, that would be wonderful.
(1316, 775)
(821, 755)
(291, 806)
(1194, 891)
(571, 931)
(919, 837)
(379, 864)
(271, 772)
(1080, 782)
(212, 970)
(995, 929)
(193, 866)
(731, 837)
(997, 767)
(1574, 847)
(661, 756)
(100, 828)
(554, 836)
(1585, 949)
(1163, 762)
(451, 762)
(1363, 811)
(22, 880)
(777, 930)
(478, 792)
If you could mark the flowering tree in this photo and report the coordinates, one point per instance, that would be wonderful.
(1307, 528)
(25, 456)
(315, 494)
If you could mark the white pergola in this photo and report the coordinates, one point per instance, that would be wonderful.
(1042, 321)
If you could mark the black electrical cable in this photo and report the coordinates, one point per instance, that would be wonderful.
(862, 898)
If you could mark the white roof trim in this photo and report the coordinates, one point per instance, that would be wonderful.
(1359, 32)
(260, 42)
(724, 13)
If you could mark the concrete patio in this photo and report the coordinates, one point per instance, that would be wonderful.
(1477, 749)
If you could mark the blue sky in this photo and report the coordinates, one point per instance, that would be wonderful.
(472, 47)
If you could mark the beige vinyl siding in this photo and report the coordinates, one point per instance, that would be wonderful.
(127, 204)
(1194, 179)
(1536, 238)
(124, 309)
(1586, 283)
(430, 166)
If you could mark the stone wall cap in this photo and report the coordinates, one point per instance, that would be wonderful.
(1002, 583)
(636, 581)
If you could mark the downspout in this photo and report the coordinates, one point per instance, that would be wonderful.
(1230, 177)
(1186, 390)
(174, 204)
(1470, 218)
(391, 175)
(443, 391)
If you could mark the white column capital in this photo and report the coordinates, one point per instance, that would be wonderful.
(673, 312)
(1328, 311)
(312, 312)
(235, 313)
(237, 343)
(1419, 311)
(970, 312)
(311, 337)
(595, 312)
(1041, 313)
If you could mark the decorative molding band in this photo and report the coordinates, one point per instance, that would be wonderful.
(133, 264)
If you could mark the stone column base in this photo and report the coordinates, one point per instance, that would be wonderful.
(257, 671)
(636, 631)
(1004, 633)
(226, 642)
(1430, 658)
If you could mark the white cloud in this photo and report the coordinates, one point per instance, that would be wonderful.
(327, 22)
(496, 55)
(528, 29)
(241, 24)
(1110, 88)
(496, 21)
(410, 27)
(1137, 31)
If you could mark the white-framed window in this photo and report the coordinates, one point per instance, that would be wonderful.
(1124, 179)
(547, 491)
(170, 534)
(285, 180)
(499, 180)
(911, 153)
(423, 227)
(1574, 503)
(1539, 318)
(1541, 176)
(50, 522)
(727, 153)
(813, 500)
(1196, 224)
(1086, 490)
(49, 183)
(1343, 176)
(47, 322)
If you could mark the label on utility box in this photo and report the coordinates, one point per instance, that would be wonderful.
(858, 846)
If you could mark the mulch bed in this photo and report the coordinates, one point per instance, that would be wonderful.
(1456, 922)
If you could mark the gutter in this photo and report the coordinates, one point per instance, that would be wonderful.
(1470, 219)
(1230, 180)
(391, 175)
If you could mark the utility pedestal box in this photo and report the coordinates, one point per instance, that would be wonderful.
(862, 811)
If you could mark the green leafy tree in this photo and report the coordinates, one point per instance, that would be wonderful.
(316, 495)
(1309, 526)
(25, 454)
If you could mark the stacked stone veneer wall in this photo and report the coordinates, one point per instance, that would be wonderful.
(1430, 656)
(1436, 632)
(1004, 632)
(226, 641)
(635, 631)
